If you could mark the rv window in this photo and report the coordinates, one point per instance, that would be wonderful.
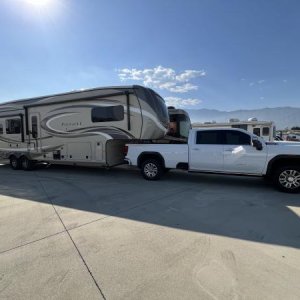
(13, 126)
(161, 108)
(34, 130)
(256, 131)
(265, 131)
(156, 102)
(1, 129)
(179, 125)
(108, 113)
(241, 126)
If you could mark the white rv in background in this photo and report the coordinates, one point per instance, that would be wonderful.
(264, 129)
(87, 128)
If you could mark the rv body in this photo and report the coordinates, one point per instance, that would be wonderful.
(88, 127)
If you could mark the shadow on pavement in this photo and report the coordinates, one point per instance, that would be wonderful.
(237, 207)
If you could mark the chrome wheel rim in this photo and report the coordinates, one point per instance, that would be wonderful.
(150, 170)
(290, 179)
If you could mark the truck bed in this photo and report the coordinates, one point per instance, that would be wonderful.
(172, 153)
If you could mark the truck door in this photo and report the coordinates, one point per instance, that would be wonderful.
(34, 132)
(206, 151)
(240, 156)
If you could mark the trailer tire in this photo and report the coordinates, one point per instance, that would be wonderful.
(15, 163)
(26, 163)
(287, 179)
(152, 169)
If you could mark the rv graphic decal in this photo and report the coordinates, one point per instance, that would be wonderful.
(3, 139)
(92, 105)
(106, 131)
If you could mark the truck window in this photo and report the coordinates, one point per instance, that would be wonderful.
(237, 138)
(108, 113)
(1, 129)
(211, 137)
(265, 131)
(13, 126)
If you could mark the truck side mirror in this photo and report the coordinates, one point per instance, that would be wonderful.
(257, 144)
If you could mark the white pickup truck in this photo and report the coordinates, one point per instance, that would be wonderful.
(222, 151)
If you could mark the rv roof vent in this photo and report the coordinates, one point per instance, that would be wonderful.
(252, 119)
(233, 120)
(171, 107)
(207, 122)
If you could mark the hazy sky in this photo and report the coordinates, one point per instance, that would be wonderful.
(197, 54)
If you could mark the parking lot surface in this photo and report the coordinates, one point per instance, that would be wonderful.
(82, 233)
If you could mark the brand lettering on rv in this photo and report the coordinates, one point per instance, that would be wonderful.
(74, 124)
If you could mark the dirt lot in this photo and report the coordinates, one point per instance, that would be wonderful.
(78, 233)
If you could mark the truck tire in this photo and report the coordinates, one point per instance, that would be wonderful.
(26, 163)
(152, 169)
(15, 163)
(287, 179)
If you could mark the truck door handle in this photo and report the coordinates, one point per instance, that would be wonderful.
(196, 149)
(229, 150)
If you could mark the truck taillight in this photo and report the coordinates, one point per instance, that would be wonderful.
(125, 150)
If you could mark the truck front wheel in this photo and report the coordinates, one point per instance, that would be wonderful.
(287, 179)
(151, 169)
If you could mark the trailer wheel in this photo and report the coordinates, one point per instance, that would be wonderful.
(26, 164)
(15, 163)
(287, 179)
(151, 169)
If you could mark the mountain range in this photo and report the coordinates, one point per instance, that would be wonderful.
(283, 117)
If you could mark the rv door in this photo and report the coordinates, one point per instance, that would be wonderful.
(34, 132)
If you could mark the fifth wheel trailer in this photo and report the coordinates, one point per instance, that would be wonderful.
(87, 128)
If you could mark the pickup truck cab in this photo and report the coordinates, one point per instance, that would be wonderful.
(222, 151)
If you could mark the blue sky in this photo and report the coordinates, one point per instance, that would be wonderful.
(225, 55)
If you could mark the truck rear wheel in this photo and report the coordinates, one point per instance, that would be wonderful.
(287, 179)
(15, 163)
(151, 169)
